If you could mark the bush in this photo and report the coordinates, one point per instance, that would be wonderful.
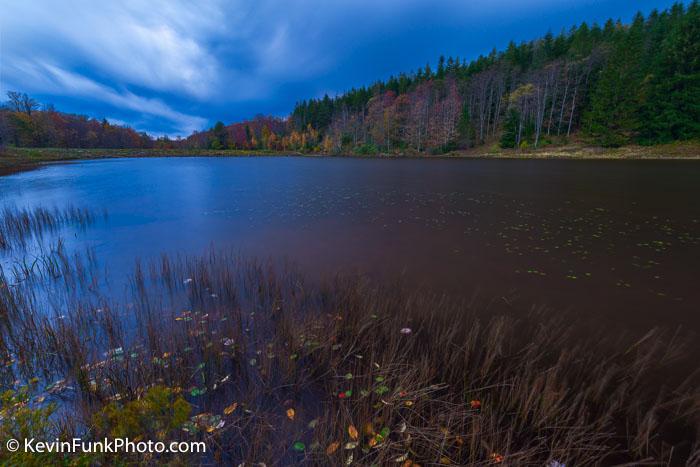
(20, 419)
(153, 416)
(366, 149)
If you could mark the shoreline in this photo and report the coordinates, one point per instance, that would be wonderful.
(13, 160)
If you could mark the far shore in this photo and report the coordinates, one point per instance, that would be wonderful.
(20, 159)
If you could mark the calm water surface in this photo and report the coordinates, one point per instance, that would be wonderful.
(615, 240)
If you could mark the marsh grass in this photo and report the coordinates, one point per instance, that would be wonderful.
(374, 375)
(18, 226)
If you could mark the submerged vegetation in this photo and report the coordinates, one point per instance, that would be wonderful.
(263, 366)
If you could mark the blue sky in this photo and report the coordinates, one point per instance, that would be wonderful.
(171, 67)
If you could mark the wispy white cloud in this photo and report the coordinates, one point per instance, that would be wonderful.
(52, 79)
(146, 44)
(232, 58)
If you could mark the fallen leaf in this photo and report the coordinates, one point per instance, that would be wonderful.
(291, 413)
(299, 446)
(475, 404)
(352, 431)
(231, 408)
(351, 445)
(332, 447)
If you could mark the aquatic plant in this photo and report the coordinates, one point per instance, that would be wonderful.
(277, 369)
(19, 225)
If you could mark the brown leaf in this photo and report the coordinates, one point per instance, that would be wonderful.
(352, 431)
(231, 408)
(332, 447)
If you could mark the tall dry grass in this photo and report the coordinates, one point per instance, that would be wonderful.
(373, 375)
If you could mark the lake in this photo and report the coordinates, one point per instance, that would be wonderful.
(615, 240)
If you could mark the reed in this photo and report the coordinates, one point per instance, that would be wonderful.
(279, 370)
(18, 226)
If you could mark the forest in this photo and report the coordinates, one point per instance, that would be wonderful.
(609, 85)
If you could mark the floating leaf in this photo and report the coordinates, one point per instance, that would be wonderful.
(299, 446)
(231, 408)
(352, 431)
(332, 447)
(381, 390)
(291, 413)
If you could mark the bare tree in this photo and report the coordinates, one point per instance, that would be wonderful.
(21, 102)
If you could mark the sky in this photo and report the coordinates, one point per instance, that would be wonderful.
(171, 67)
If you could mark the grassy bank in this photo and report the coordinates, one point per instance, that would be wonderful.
(16, 159)
(264, 366)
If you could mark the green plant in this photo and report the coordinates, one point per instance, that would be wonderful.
(23, 418)
(153, 416)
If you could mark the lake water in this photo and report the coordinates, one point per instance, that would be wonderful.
(614, 240)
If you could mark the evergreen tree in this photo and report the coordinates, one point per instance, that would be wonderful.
(672, 111)
(615, 104)
(509, 137)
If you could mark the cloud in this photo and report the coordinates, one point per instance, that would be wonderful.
(146, 44)
(49, 78)
(231, 59)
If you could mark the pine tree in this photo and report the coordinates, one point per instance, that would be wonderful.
(613, 116)
(672, 111)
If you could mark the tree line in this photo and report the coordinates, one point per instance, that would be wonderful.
(614, 84)
(611, 85)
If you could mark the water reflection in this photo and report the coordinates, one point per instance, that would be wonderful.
(613, 239)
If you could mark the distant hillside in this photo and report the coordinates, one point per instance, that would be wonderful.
(610, 85)
(616, 84)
